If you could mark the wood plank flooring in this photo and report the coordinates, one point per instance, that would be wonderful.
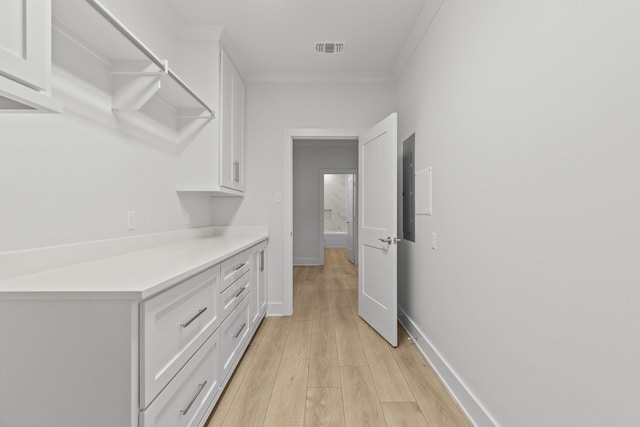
(324, 366)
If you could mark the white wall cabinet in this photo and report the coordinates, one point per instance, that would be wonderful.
(216, 165)
(25, 56)
(232, 101)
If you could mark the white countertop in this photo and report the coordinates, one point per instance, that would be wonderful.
(134, 275)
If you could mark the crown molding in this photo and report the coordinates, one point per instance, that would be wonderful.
(427, 14)
(319, 77)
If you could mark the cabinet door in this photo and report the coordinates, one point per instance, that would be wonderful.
(25, 40)
(261, 283)
(227, 168)
(231, 125)
(238, 130)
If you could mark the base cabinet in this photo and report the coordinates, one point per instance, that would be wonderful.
(160, 362)
(185, 401)
(258, 305)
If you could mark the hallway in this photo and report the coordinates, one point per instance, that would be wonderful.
(325, 366)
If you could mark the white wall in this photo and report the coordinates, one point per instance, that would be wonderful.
(335, 201)
(73, 176)
(528, 113)
(310, 158)
(272, 108)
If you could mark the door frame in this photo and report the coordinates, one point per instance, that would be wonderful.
(290, 135)
(323, 172)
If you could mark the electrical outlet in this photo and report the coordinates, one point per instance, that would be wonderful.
(131, 220)
(278, 197)
(434, 241)
(187, 217)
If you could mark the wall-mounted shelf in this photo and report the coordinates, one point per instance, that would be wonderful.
(143, 86)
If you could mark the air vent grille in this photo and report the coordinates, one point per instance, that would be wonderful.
(330, 47)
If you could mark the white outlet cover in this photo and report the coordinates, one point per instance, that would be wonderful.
(131, 220)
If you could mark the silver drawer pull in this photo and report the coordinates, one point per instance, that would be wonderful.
(240, 330)
(184, 325)
(239, 267)
(185, 410)
(241, 291)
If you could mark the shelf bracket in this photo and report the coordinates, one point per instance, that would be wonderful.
(134, 84)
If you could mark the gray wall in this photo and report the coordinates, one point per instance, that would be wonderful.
(528, 113)
(310, 158)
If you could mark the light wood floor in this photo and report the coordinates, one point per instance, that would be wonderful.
(324, 366)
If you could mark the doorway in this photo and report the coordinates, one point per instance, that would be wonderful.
(340, 229)
(312, 159)
(290, 135)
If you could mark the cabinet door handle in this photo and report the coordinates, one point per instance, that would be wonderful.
(241, 291)
(240, 330)
(188, 322)
(239, 266)
(236, 171)
(201, 387)
(262, 260)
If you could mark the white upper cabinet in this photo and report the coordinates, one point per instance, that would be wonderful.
(25, 56)
(231, 125)
(214, 163)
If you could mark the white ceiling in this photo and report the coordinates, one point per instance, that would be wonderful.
(275, 39)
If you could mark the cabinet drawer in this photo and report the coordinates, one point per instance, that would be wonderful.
(188, 396)
(231, 297)
(234, 334)
(174, 324)
(235, 267)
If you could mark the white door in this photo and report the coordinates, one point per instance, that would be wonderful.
(377, 247)
(351, 220)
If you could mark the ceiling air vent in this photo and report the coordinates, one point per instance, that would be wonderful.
(330, 47)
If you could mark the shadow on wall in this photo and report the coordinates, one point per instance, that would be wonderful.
(224, 209)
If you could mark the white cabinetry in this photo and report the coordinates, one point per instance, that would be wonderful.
(162, 361)
(25, 56)
(258, 305)
(96, 50)
(173, 325)
(216, 165)
(232, 93)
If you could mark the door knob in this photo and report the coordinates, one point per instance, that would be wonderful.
(387, 240)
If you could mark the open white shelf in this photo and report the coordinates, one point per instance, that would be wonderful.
(144, 89)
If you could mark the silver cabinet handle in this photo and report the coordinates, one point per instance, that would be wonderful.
(240, 292)
(185, 410)
(188, 322)
(240, 330)
(239, 266)
(387, 240)
(236, 171)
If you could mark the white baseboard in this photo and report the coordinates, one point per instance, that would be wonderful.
(275, 309)
(474, 411)
(307, 261)
(335, 240)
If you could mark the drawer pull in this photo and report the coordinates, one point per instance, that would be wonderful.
(184, 325)
(240, 330)
(240, 292)
(185, 410)
(239, 266)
